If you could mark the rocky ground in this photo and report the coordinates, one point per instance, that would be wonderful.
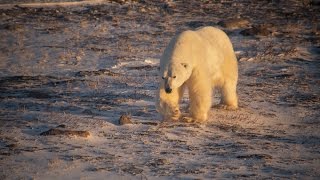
(69, 72)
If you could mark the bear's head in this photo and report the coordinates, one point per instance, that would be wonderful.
(175, 74)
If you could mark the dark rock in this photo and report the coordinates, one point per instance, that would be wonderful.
(125, 119)
(255, 156)
(87, 111)
(11, 27)
(150, 123)
(315, 2)
(196, 24)
(61, 126)
(131, 169)
(96, 73)
(146, 67)
(39, 94)
(56, 132)
(108, 18)
(169, 7)
(12, 146)
(234, 23)
(259, 30)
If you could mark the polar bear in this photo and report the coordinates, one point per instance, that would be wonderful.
(199, 61)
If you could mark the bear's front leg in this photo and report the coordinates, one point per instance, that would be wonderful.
(168, 104)
(200, 101)
(171, 113)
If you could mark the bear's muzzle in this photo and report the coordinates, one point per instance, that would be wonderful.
(168, 90)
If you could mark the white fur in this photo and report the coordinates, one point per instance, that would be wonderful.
(200, 61)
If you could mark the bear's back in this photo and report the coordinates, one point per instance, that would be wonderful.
(221, 49)
(215, 37)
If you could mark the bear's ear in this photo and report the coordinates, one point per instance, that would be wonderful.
(184, 65)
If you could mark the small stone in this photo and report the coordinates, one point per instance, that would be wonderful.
(78, 58)
(87, 111)
(243, 59)
(234, 23)
(143, 10)
(61, 126)
(125, 119)
(315, 2)
(162, 161)
(12, 146)
(250, 59)
(259, 30)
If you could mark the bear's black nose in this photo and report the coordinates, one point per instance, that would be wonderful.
(168, 90)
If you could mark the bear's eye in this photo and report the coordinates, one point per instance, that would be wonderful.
(174, 76)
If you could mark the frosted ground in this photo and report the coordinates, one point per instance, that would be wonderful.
(79, 67)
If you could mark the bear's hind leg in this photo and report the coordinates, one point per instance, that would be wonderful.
(229, 95)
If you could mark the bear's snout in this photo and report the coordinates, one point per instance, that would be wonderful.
(168, 90)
